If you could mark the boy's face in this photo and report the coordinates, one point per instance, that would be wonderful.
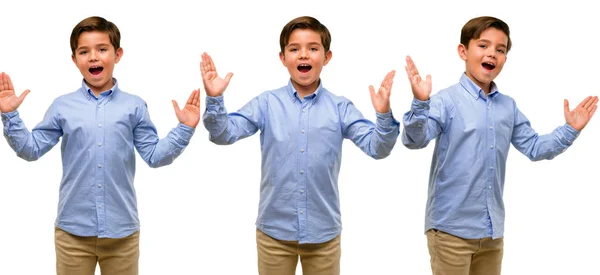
(304, 56)
(95, 57)
(485, 57)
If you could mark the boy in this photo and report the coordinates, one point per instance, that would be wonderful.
(474, 125)
(100, 124)
(302, 129)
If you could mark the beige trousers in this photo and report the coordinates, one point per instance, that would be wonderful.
(451, 255)
(77, 255)
(277, 257)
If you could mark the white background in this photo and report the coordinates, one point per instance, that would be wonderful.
(198, 214)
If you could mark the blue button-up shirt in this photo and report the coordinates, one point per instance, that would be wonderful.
(473, 134)
(301, 145)
(97, 196)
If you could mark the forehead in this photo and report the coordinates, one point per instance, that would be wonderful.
(304, 36)
(493, 35)
(91, 38)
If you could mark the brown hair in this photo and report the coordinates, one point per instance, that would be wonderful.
(96, 23)
(475, 26)
(305, 22)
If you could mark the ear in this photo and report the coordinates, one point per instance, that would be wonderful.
(282, 58)
(462, 52)
(118, 55)
(328, 56)
(74, 59)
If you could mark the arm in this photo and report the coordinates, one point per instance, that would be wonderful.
(537, 147)
(157, 153)
(426, 117)
(226, 128)
(32, 145)
(377, 140)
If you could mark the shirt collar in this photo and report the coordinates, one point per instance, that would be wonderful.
(294, 94)
(474, 90)
(112, 92)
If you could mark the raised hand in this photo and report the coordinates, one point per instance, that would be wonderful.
(381, 99)
(190, 114)
(581, 115)
(421, 89)
(213, 84)
(8, 100)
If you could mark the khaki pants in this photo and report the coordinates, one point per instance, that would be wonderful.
(451, 255)
(77, 255)
(277, 257)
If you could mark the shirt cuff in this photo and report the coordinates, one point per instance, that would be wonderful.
(7, 116)
(214, 103)
(420, 107)
(386, 120)
(570, 133)
(185, 132)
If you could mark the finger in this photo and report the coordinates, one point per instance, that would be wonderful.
(566, 106)
(196, 100)
(586, 102)
(593, 111)
(191, 98)
(23, 95)
(428, 79)
(9, 82)
(176, 107)
(228, 77)
(2, 82)
(372, 92)
(594, 102)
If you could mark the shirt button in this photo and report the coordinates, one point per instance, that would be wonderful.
(491, 167)
(302, 150)
(301, 171)
(491, 127)
(490, 187)
(303, 131)
(99, 185)
(304, 110)
(301, 190)
(301, 211)
(99, 165)
(99, 125)
(99, 205)
(99, 144)
(492, 146)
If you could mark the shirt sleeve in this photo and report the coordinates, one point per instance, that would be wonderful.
(375, 139)
(155, 152)
(537, 147)
(425, 121)
(224, 128)
(32, 145)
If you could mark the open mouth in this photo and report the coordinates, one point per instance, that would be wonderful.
(304, 68)
(488, 66)
(96, 70)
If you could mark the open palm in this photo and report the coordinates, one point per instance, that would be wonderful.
(190, 114)
(421, 88)
(581, 115)
(213, 84)
(9, 101)
(381, 99)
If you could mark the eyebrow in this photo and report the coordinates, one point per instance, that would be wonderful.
(298, 44)
(97, 45)
(490, 42)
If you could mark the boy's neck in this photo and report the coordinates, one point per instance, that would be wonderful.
(306, 91)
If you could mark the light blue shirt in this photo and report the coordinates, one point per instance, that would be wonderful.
(301, 146)
(473, 134)
(97, 196)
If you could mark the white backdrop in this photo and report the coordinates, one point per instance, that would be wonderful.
(198, 214)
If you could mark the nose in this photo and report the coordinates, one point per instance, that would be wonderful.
(491, 52)
(93, 56)
(303, 54)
